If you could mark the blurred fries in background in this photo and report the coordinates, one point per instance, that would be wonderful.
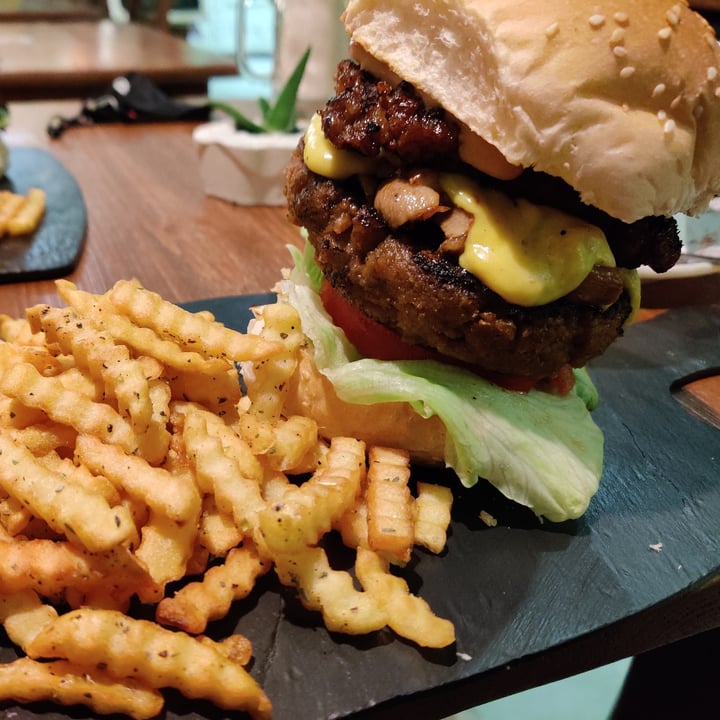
(21, 214)
(131, 462)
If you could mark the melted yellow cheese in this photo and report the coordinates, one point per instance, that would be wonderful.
(631, 281)
(323, 158)
(528, 254)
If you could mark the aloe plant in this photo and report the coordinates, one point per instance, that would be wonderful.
(281, 116)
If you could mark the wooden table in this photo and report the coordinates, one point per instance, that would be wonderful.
(149, 218)
(77, 59)
(57, 10)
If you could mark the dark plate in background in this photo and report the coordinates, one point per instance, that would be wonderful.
(54, 248)
(522, 587)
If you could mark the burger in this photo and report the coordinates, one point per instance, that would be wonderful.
(476, 198)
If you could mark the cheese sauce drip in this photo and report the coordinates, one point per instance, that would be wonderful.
(323, 158)
(631, 282)
(528, 254)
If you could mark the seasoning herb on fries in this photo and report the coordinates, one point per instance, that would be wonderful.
(131, 462)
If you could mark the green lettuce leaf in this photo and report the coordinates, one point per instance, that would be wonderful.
(540, 450)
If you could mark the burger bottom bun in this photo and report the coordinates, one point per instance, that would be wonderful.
(395, 425)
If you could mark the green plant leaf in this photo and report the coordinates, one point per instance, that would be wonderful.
(282, 117)
(241, 121)
(265, 109)
(4, 116)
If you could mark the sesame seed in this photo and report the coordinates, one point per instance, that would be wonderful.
(658, 90)
(664, 33)
(662, 115)
(596, 21)
(621, 18)
(676, 101)
(619, 51)
(669, 127)
(717, 92)
(552, 30)
(699, 109)
(672, 17)
(618, 36)
(712, 73)
(627, 71)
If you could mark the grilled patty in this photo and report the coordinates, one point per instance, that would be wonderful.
(404, 272)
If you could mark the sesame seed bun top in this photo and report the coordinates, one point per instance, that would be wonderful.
(620, 99)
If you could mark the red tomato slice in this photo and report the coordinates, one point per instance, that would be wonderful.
(371, 339)
(517, 383)
(562, 382)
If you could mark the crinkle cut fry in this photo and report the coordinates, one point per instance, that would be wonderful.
(407, 614)
(66, 507)
(331, 592)
(42, 438)
(123, 376)
(130, 649)
(17, 330)
(25, 680)
(166, 548)
(235, 647)
(291, 444)
(23, 615)
(196, 604)
(191, 330)
(219, 392)
(5, 536)
(24, 383)
(14, 515)
(307, 512)
(143, 341)
(267, 386)
(10, 204)
(50, 567)
(173, 495)
(234, 484)
(45, 362)
(28, 215)
(432, 515)
(218, 532)
(390, 508)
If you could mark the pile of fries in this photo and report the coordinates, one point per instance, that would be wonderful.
(21, 214)
(131, 458)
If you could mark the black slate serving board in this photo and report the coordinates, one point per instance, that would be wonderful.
(522, 587)
(55, 247)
